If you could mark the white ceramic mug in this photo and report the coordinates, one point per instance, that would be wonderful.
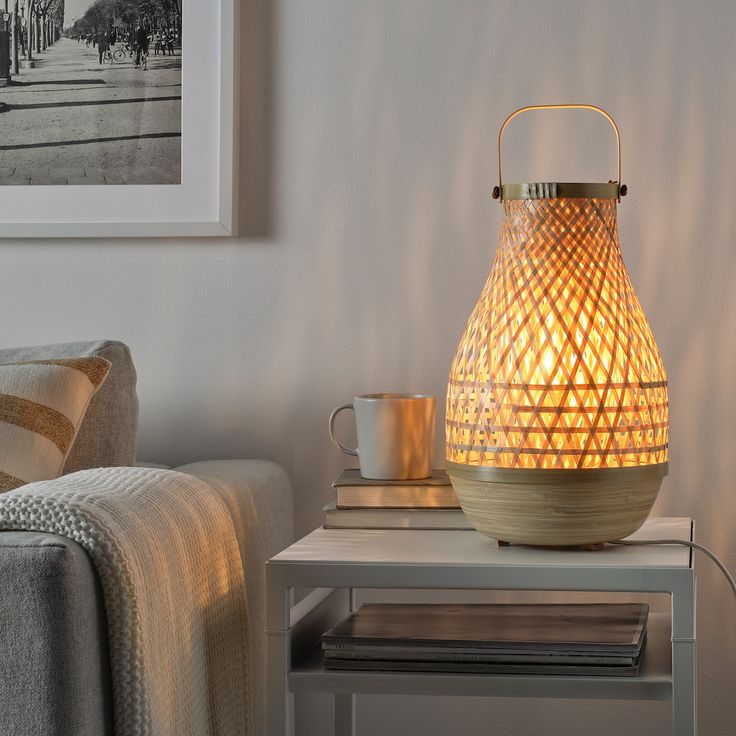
(395, 435)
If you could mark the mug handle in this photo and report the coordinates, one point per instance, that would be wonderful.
(334, 439)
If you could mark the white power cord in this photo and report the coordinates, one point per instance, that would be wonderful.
(683, 543)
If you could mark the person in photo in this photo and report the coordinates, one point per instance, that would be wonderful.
(102, 45)
(141, 44)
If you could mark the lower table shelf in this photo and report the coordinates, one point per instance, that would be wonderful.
(653, 683)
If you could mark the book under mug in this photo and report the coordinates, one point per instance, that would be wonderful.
(354, 491)
(382, 518)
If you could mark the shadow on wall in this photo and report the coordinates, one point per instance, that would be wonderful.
(257, 111)
(397, 117)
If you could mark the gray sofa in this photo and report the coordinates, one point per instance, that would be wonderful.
(54, 667)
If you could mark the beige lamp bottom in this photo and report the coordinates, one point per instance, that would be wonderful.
(556, 507)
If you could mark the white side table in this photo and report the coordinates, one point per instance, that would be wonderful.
(334, 562)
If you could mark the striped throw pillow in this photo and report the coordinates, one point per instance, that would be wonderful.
(42, 404)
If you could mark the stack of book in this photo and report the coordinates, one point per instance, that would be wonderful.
(603, 639)
(429, 503)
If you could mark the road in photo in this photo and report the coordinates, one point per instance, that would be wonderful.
(72, 120)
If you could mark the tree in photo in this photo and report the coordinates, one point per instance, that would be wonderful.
(126, 15)
(42, 25)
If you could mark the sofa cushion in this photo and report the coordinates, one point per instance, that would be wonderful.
(107, 436)
(42, 404)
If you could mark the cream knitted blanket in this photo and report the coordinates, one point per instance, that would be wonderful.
(165, 550)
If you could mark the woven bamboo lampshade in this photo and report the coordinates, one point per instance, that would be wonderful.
(557, 413)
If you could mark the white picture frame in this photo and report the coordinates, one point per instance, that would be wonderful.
(205, 203)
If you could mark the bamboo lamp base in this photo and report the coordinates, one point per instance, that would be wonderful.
(554, 508)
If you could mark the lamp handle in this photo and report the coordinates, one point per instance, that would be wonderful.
(498, 192)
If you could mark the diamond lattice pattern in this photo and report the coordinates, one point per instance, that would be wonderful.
(558, 367)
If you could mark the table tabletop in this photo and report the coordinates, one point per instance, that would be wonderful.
(372, 547)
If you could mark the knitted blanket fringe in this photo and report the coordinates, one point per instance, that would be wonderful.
(165, 550)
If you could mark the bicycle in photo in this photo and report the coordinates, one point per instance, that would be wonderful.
(110, 55)
(141, 59)
(119, 54)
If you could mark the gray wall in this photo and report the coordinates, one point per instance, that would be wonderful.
(368, 161)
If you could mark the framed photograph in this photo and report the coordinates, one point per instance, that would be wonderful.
(119, 118)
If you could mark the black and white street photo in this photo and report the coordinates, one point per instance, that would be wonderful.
(90, 92)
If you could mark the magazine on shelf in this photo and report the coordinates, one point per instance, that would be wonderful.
(486, 669)
(459, 654)
(380, 630)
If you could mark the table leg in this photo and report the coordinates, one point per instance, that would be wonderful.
(684, 681)
(279, 701)
(345, 715)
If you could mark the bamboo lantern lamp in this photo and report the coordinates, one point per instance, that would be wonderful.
(557, 413)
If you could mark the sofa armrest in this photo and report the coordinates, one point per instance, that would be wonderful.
(54, 668)
(259, 497)
(54, 671)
